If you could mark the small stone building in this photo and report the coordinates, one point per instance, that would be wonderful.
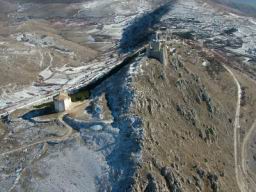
(4, 116)
(62, 102)
(157, 48)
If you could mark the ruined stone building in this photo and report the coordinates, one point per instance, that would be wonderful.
(4, 116)
(62, 102)
(157, 48)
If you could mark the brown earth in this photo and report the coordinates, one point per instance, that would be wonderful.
(21, 63)
(2, 129)
(188, 111)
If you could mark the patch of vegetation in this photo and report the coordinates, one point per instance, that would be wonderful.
(185, 35)
(80, 96)
(230, 31)
(44, 105)
(214, 68)
(210, 131)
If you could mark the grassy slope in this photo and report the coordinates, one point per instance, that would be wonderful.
(171, 138)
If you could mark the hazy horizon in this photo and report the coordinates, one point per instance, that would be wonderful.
(248, 7)
(247, 2)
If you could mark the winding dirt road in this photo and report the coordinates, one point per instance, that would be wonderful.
(244, 155)
(48, 140)
(244, 180)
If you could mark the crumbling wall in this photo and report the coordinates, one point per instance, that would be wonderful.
(159, 54)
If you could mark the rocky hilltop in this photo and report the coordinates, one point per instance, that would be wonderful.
(126, 95)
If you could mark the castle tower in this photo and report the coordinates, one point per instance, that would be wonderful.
(62, 102)
(157, 48)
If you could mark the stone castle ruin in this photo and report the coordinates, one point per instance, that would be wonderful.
(4, 116)
(157, 47)
(62, 102)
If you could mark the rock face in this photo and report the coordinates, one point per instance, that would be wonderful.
(152, 184)
(204, 96)
(188, 114)
(213, 179)
(172, 182)
(200, 172)
(198, 183)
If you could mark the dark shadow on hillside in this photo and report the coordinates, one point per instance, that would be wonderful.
(37, 113)
(80, 124)
(140, 29)
(121, 140)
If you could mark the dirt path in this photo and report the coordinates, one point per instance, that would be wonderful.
(20, 173)
(49, 140)
(66, 136)
(244, 180)
(237, 141)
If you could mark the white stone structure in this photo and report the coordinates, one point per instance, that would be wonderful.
(62, 102)
(157, 48)
(4, 115)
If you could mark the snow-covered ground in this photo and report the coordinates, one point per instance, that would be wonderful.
(85, 166)
(102, 156)
(113, 15)
(117, 140)
(110, 152)
(208, 24)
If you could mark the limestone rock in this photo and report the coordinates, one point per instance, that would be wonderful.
(213, 179)
(152, 184)
(173, 183)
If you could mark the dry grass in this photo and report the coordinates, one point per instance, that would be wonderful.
(2, 129)
(170, 138)
(21, 64)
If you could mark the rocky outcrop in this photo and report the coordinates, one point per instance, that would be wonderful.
(152, 184)
(208, 134)
(188, 114)
(172, 182)
(214, 183)
(203, 96)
